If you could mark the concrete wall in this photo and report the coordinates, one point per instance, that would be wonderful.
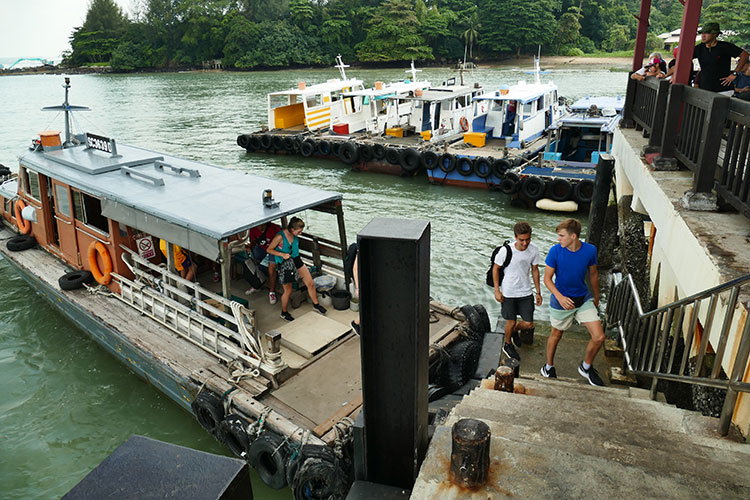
(692, 251)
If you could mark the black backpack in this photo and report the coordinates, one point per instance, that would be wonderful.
(508, 256)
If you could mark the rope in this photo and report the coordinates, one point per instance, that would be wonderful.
(237, 374)
(240, 312)
(256, 428)
(344, 435)
(99, 290)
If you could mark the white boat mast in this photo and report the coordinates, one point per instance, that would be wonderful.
(67, 108)
(341, 66)
(413, 71)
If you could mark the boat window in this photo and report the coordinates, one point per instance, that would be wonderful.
(89, 211)
(527, 108)
(62, 201)
(77, 206)
(462, 101)
(31, 181)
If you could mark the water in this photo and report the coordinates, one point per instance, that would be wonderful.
(66, 404)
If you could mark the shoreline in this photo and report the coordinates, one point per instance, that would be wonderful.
(551, 62)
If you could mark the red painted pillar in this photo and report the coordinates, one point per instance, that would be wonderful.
(690, 18)
(640, 37)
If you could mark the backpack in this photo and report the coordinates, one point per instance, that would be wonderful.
(351, 254)
(508, 256)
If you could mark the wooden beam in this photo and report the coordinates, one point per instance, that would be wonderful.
(690, 17)
(640, 37)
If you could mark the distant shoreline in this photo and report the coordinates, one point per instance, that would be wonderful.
(555, 62)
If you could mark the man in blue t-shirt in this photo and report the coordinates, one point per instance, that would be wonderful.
(568, 262)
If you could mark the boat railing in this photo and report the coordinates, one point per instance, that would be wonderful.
(194, 312)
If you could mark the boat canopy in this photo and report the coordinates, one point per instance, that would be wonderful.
(389, 90)
(522, 92)
(607, 117)
(444, 92)
(332, 85)
(187, 203)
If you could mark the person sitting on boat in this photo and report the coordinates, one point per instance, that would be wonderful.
(510, 119)
(260, 238)
(285, 248)
(182, 261)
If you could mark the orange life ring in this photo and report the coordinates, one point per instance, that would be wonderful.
(102, 276)
(464, 123)
(23, 225)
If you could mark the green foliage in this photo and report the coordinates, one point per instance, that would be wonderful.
(617, 38)
(393, 35)
(586, 44)
(573, 52)
(568, 27)
(519, 24)
(734, 18)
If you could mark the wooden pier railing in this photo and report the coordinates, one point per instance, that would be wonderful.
(705, 132)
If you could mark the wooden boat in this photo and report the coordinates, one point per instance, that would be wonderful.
(275, 392)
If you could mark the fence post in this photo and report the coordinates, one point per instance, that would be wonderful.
(660, 111)
(627, 108)
(708, 153)
(738, 371)
(672, 120)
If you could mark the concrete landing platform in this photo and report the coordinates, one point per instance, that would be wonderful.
(566, 440)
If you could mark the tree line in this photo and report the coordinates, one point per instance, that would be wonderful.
(249, 34)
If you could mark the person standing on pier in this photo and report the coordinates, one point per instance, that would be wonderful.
(568, 262)
(514, 291)
(715, 58)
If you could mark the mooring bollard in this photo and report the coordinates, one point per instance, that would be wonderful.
(470, 455)
(504, 379)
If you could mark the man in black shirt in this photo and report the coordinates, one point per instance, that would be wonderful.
(715, 58)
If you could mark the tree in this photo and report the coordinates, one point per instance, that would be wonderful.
(568, 28)
(105, 16)
(519, 24)
(100, 33)
(301, 12)
(734, 18)
(471, 33)
(393, 35)
(617, 38)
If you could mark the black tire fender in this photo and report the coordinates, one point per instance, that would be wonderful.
(484, 318)
(507, 186)
(243, 140)
(317, 474)
(254, 142)
(307, 148)
(465, 166)
(560, 189)
(392, 155)
(429, 160)
(378, 152)
(20, 243)
(265, 141)
(268, 456)
(209, 410)
(336, 149)
(288, 143)
(583, 192)
(75, 280)
(366, 153)
(277, 142)
(499, 167)
(533, 188)
(324, 147)
(349, 153)
(447, 163)
(482, 167)
(232, 431)
(474, 319)
(408, 158)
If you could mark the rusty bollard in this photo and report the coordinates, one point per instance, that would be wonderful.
(504, 379)
(470, 455)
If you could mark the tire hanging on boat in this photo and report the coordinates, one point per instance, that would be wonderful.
(254, 142)
(392, 155)
(482, 167)
(20, 243)
(464, 356)
(365, 153)
(336, 149)
(307, 148)
(447, 163)
(409, 160)
(243, 140)
(349, 153)
(583, 192)
(499, 167)
(507, 186)
(232, 431)
(560, 189)
(265, 141)
(484, 318)
(268, 456)
(429, 160)
(464, 166)
(378, 152)
(533, 187)
(277, 142)
(75, 280)
(104, 275)
(476, 324)
(324, 147)
(317, 474)
(208, 410)
(288, 143)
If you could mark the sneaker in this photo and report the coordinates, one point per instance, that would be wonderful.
(272, 297)
(552, 373)
(285, 315)
(511, 352)
(591, 375)
(216, 277)
(250, 291)
(355, 327)
(516, 338)
(319, 308)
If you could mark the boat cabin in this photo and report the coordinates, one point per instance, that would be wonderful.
(579, 137)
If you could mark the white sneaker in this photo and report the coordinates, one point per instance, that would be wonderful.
(272, 297)
(250, 291)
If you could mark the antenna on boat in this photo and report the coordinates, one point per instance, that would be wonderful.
(67, 107)
(537, 67)
(341, 66)
(413, 71)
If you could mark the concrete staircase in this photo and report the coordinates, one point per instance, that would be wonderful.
(566, 440)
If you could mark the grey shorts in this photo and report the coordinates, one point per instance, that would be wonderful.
(518, 306)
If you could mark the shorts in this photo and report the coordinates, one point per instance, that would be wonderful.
(288, 272)
(518, 306)
(562, 319)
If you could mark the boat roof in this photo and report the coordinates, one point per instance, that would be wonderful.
(601, 102)
(188, 203)
(319, 88)
(395, 87)
(522, 91)
(444, 92)
(580, 116)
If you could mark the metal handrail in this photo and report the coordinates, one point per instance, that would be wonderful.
(644, 335)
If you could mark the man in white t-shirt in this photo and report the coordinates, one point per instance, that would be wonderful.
(515, 292)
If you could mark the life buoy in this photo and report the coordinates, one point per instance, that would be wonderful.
(464, 123)
(23, 225)
(102, 276)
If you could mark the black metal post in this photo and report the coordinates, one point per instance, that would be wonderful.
(600, 200)
(672, 120)
(627, 108)
(660, 112)
(394, 268)
(708, 154)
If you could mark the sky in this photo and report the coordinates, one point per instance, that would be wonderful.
(40, 28)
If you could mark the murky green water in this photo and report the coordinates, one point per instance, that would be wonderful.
(65, 404)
